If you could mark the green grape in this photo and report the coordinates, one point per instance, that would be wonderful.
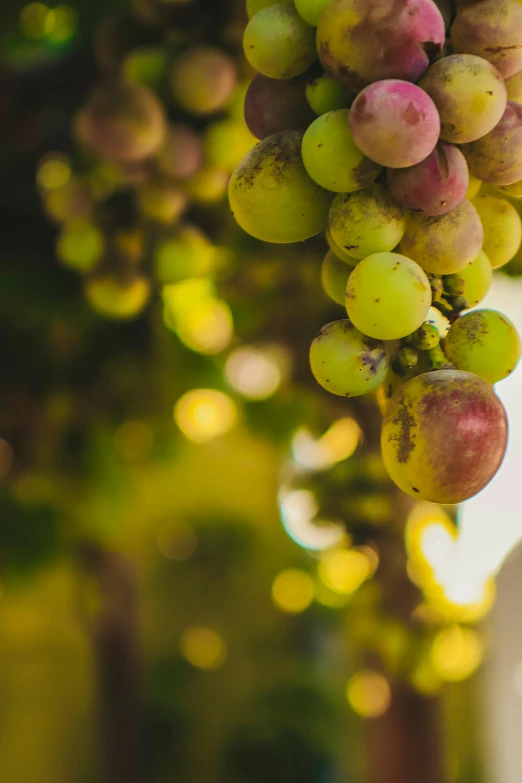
(388, 296)
(226, 143)
(444, 436)
(147, 66)
(513, 191)
(484, 342)
(115, 298)
(80, 245)
(368, 221)
(326, 94)
(346, 362)
(473, 187)
(341, 254)
(426, 337)
(182, 254)
(331, 157)
(203, 80)
(478, 276)
(311, 10)
(446, 244)
(334, 277)
(254, 6)
(502, 228)
(271, 195)
(162, 202)
(514, 87)
(278, 43)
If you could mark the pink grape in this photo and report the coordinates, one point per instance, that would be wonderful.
(492, 29)
(497, 157)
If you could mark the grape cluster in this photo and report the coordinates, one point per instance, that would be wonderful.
(412, 166)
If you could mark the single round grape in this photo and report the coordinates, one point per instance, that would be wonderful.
(331, 157)
(162, 202)
(326, 94)
(363, 41)
(181, 254)
(146, 65)
(254, 6)
(491, 29)
(122, 122)
(484, 342)
(334, 277)
(473, 187)
(113, 298)
(226, 143)
(278, 43)
(512, 191)
(80, 245)
(368, 221)
(444, 436)
(426, 337)
(497, 157)
(478, 276)
(514, 87)
(388, 296)
(203, 80)
(346, 362)
(470, 96)
(311, 10)
(338, 251)
(181, 154)
(444, 245)
(395, 123)
(502, 228)
(434, 186)
(275, 105)
(271, 195)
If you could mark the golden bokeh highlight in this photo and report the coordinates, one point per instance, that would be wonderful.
(369, 694)
(61, 24)
(208, 328)
(203, 648)
(456, 653)
(293, 591)
(53, 172)
(205, 414)
(253, 373)
(33, 20)
(344, 571)
(338, 443)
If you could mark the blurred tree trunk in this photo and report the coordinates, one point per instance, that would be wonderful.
(115, 638)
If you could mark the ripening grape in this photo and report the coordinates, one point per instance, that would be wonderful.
(470, 96)
(497, 157)
(395, 123)
(388, 296)
(473, 187)
(275, 105)
(146, 65)
(226, 143)
(254, 6)
(326, 94)
(181, 153)
(367, 221)
(271, 195)
(331, 157)
(203, 80)
(502, 228)
(161, 201)
(80, 245)
(444, 436)
(346, 362)
(491, 29)
(514, 87)
(278, 43)
(434, 186)
(477, 276)
(363, 41)
(311, 10)
(122, 122)
(444, 245)
(338, 251)
(334, 277)
(181, 254)
(484, 342)
(513, 191)
(118, 299)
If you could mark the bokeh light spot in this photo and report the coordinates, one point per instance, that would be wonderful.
(456, 653)
(252, 373)
(369, 694)
(203, 648)
(204, 414)
(53, 172)
(33, 20)
(293, 591)
(344, 571)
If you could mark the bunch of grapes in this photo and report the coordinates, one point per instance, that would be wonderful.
(154, 147)
(396, 129)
